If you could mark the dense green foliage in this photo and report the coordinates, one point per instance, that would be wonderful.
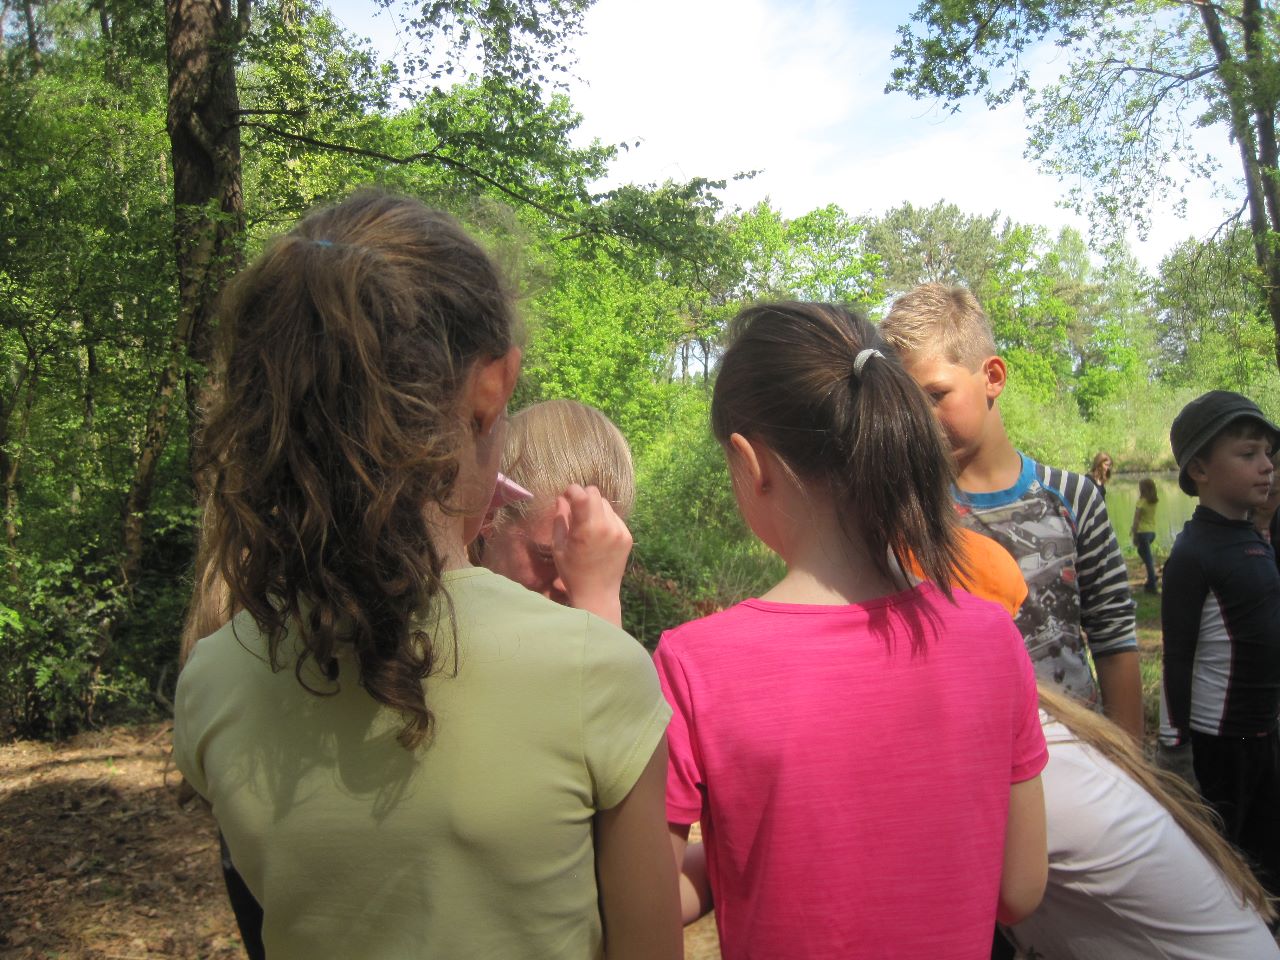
(627, 295)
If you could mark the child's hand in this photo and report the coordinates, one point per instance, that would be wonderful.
(591, 545)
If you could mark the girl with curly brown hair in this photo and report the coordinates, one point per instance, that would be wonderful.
(408, 755)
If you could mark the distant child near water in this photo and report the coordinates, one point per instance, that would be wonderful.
(1144, 528)
(1100, 472)
(862, 749)
(1054, 522)
(408, 756)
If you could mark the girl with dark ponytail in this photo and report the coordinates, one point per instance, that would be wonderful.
(862, 749)
(408, 756)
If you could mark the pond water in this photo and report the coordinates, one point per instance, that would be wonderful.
(1173, 511)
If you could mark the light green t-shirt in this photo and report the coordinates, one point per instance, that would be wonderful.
(478, 843)
(1144, 518)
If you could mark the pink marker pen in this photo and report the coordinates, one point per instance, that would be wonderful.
(507, 491)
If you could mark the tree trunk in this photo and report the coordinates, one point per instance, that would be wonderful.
(1242, 83)
(33, 36)
(10, 458)
(203, 114)
(110, 57)
(204, 138)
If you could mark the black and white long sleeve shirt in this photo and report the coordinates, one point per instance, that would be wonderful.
(1220, 613)
(1054, 523)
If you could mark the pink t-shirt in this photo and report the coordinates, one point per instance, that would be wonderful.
(851, 768)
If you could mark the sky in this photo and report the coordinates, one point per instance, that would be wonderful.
(795, 90)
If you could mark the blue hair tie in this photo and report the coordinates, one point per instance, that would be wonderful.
(323, 243)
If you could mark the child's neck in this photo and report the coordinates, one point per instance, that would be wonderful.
(824, 567)
(1228, 508)
(811, 586)
(449, 539)
(995, 466)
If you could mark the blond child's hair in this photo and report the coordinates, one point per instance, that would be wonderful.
(558, 442)
(1182, 802)
(939, 320)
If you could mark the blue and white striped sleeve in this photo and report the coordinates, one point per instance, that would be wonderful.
(1106, 603)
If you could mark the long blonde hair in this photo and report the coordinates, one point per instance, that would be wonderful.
(1171, 792)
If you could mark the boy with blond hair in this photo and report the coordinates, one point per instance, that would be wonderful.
(1054, 522)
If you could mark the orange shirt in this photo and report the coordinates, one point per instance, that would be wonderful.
(993, 574)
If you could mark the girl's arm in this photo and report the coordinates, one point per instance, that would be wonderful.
(1026, 858)
(695, 887)
(639, 899)
(1133, 527)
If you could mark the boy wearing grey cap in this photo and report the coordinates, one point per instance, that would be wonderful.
(1220, 613)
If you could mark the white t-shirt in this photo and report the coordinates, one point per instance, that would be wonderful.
(1124, 880)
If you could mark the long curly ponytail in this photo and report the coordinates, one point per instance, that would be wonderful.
(347, 341)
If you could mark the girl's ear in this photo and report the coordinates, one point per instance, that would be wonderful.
(489, 386)
(753, 461)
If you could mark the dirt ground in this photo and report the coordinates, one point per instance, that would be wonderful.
(98, 861)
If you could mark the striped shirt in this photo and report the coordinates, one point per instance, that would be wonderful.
(1054, 523)
(1220, 612)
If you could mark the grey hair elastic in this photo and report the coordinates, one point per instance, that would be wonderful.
(861, 359)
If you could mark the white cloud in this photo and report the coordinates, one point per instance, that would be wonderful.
(714, 87)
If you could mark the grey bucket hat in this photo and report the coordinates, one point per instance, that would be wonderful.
(1203, 419)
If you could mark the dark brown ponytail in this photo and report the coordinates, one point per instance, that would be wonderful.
(789, 380)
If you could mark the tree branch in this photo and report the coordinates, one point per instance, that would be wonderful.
(1215, 7)
(1231, 221)
(1181, 78)
(431, 155)
(250, 112)
(1264, 108)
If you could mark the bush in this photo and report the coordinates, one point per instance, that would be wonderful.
(693, 553)
(1132, 426)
